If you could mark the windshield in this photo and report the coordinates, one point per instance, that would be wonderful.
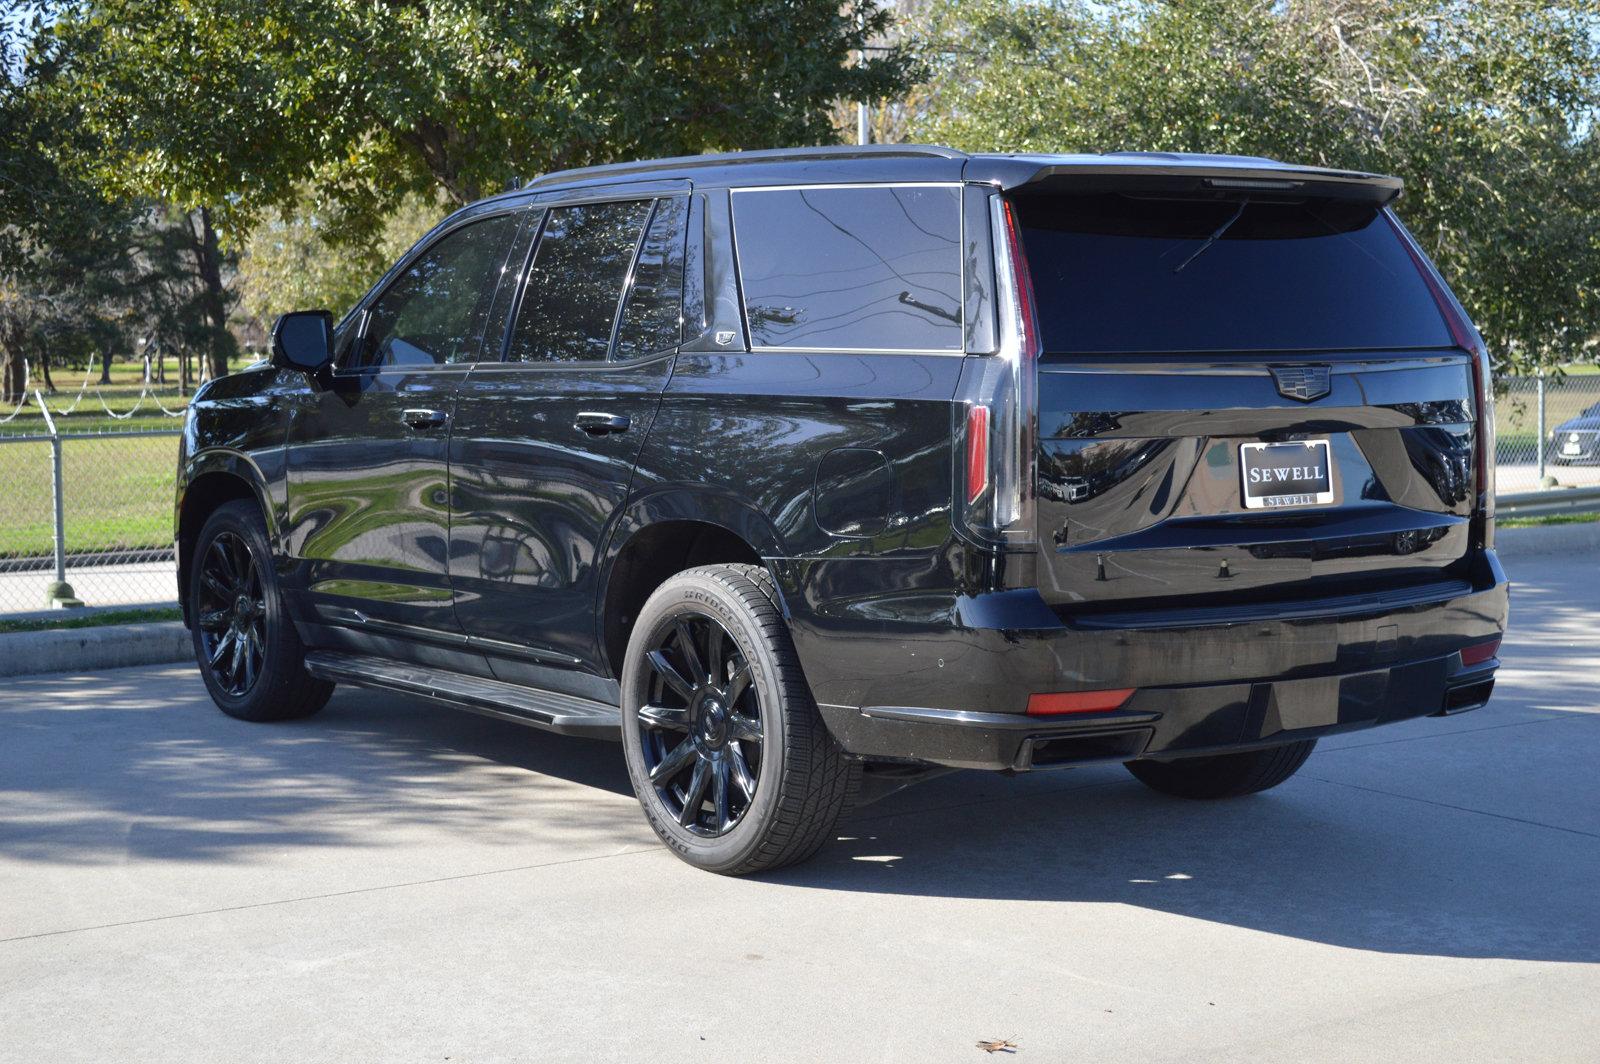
(1124, 273)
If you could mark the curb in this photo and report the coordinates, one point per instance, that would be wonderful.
(82, 649)
(1514, 543)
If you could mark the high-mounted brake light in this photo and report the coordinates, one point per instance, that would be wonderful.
(1464, 336)
(977, 452)
(1078, 702)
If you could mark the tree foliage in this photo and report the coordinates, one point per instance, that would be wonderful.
(247, 106)
(1485, 107)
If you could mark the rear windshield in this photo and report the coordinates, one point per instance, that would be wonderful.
(1122, 273)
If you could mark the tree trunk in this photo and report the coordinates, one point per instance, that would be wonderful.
(214, 299)
(161, 365)
(183, 372)
(11, 379)
(105, 367)
(44, 368)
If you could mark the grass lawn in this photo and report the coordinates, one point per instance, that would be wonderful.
(92, 620)
(118, 495)
(89, 415)
(118, 492)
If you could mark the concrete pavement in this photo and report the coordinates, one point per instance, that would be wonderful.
(391, 881)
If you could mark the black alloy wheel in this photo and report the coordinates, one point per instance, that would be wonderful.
(231, 614)
(725, 746)
(250, 656)
(701, 730)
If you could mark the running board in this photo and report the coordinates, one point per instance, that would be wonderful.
(565, 714)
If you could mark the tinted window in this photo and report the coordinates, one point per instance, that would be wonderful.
(652, 312)
(576, 281)
(435, 311)
(1121, 273)
(869, 268)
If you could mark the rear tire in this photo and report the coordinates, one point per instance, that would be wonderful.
(726, 751)
(249, 654)
(1225, 775)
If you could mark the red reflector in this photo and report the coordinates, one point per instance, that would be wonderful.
(1477, 655)
(977, 451)
(1078, 702)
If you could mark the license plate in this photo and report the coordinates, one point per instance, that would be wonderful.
(1571, 448)
(1286, 474)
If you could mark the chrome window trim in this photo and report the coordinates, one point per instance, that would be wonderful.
(958, 351)
(391, 277)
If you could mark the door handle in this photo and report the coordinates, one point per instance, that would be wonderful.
(598, 423)
(424, 419)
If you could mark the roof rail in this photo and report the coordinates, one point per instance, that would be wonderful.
(826, 151)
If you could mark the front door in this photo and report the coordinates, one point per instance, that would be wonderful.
(543, 444)
(368, 483)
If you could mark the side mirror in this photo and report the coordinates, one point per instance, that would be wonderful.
(303, 340)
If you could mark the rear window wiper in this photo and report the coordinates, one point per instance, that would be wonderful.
(1214, 237)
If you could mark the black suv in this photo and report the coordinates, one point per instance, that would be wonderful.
(809, 473)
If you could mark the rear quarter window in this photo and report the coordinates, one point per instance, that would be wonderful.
(875, 268)
(1121, 273)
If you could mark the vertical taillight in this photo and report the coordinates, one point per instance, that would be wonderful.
(994, 421)
(1464, 336)
(1024, 285)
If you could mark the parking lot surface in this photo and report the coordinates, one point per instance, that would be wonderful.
(392, 881)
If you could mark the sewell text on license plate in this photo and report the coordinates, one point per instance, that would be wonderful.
(1286, 474)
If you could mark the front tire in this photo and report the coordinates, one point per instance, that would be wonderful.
(725, 748)
(1225, 775)
(249, 654)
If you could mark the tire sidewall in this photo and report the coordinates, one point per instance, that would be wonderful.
(690, 594)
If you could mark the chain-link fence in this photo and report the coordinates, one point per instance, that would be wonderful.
(93, 509)
(1548, 433)
(85, 517)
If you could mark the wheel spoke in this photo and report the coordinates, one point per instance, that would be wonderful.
(671, 676)
(673, 763)
(215, 586)
(743, 778)
(745, 729)
(714, 654)
(236, 664)
(695, 794)
(249, 658)
(224, 564)
(664, 717)
(739, 683)
(691, 653)
(213, 620)
(221, 649)
(719, 794)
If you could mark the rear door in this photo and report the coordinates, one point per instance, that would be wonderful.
(543, 444)
(368, 480)
(1242, 397)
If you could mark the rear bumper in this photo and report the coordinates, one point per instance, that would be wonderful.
(905, 686)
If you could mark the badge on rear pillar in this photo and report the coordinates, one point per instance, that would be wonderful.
(1304, 383)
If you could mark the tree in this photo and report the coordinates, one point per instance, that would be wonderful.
(243, 106)
(1485, 108)
(63, 246)
(290, 263)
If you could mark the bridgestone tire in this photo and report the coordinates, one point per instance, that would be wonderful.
(803, 782)
(1225, 775)
(282, 689)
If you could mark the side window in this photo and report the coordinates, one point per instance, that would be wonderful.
(652, 311)
(435, 311)
(870, 268)
(570, 303)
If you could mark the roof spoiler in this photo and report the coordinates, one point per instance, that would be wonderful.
(1162, 173)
